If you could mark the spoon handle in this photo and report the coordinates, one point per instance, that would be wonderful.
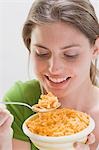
(17, 103)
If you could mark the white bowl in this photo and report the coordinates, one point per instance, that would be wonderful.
(60, 142)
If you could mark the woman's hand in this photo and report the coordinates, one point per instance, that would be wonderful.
(6, 120)
(80, 146)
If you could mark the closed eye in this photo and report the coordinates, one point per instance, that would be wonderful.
(71, 56)
(41, 52)
(44, 55)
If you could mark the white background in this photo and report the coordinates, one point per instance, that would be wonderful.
(13, 54)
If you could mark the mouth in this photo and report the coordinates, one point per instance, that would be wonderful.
(58, 81)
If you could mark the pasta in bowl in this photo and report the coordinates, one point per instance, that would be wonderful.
(58, 129)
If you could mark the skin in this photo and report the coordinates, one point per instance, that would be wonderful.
(6, 120)
(58, 51)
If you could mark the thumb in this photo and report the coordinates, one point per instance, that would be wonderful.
(81, 146)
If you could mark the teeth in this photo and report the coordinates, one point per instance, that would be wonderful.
(57, 80)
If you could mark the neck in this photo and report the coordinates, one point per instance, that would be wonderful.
(80, 99)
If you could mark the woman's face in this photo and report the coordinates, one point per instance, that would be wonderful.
(61, 56)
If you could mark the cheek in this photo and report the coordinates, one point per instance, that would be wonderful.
(82, 67)
(39, 66)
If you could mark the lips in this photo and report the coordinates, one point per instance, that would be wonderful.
(58, 80)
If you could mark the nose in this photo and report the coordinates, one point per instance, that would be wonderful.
(55, 65)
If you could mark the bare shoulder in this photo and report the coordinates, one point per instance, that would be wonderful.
(95, 113)
(96, 119)
(96, 99)
(19, 145)
(95, 108)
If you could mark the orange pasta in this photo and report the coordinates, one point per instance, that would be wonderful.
(48, 101)
(60, 122)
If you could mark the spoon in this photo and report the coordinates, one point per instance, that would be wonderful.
(34, 108)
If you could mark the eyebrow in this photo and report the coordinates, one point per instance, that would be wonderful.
(65, 47)
(70, 46)
(41, 46)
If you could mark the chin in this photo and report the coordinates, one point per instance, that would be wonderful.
(59, 93)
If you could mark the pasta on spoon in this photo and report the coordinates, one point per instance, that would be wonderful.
(46, 103)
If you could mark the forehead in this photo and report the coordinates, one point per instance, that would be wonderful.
(57, 27)
(58, 33)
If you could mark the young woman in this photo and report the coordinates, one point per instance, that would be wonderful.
(63, 41)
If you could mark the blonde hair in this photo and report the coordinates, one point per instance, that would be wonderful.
(80, 13)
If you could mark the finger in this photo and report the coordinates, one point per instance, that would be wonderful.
(5, 129)
(91, 139)
(4, 117)
(6, 125)
(81, 146)
(2, 109)
(8, 122)
(4, 114)
(2, 106)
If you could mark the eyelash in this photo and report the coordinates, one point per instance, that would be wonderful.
(46, 55)
(71, 56)
(42, 55)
